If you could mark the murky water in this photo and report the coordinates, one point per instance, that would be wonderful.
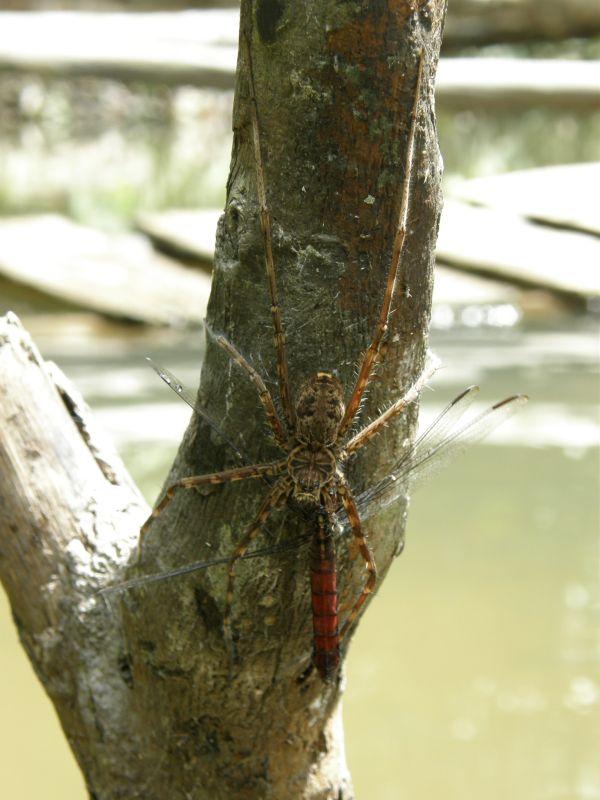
(475, 672)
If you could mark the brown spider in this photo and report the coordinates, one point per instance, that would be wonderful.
(314, 435)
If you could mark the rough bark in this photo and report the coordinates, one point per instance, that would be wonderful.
(69, 519)
(165, 712)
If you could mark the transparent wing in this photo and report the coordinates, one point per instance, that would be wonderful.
(197, 566)
(175, 384)
(182, 391)
(447, 437)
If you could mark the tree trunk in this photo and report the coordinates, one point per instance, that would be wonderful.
(149, 696)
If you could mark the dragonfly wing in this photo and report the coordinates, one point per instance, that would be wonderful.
(198, 566)
(174, 384)
(440, 443)
(183, 392)
(426, 441)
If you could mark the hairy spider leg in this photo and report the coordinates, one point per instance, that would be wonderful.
(265, 224)
(369, 431)
(372, 353)
(263, 392)
(353, 517)
(274, 498)
(238, 474)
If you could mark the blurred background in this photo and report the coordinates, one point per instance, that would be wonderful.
(475, 673)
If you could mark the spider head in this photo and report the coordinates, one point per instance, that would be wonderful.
(319, 410)
(311, 467)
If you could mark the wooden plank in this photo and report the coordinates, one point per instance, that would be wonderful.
(118, 275)
(455, 288)
(564, 195)
(509, 247)
(480, 22)
(468, 22)
(188, 232)
(514, 82)
(186, 47)
(200, 47)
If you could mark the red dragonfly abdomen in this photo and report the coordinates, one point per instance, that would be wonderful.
(323, 581)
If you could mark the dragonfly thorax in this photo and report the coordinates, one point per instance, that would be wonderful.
(319, 410)
(311, 468)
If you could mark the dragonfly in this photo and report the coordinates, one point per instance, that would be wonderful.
(452, 432)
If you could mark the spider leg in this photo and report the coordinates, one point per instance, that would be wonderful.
(369, 431)
(265, 224)
(371, 355)
(263, 392)
(277, 493)
(238, 474)
(354, 519)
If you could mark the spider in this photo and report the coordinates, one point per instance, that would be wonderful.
(314, 434)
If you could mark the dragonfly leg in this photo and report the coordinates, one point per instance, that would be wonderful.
(263, 393)
(277, 493)
(238, 474)
(354, 519)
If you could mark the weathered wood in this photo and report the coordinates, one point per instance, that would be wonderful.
(334, 87)
(564, 195)
(510, 247)
(168, 48)
(469, 22)
(515, 82)
(478, 22)
(189, 232)
(119, 275)
(69, 517)
(199, 47)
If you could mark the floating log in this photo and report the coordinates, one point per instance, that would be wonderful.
(564, 195)
(498, 244)
(511, 248)
(514, 82)
(200, 48)
(473, 22)
(185, 47)
(188, 233)
(118, 275)
(191, 233)
(468, 22)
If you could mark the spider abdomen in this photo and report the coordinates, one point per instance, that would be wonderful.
(320, 409)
